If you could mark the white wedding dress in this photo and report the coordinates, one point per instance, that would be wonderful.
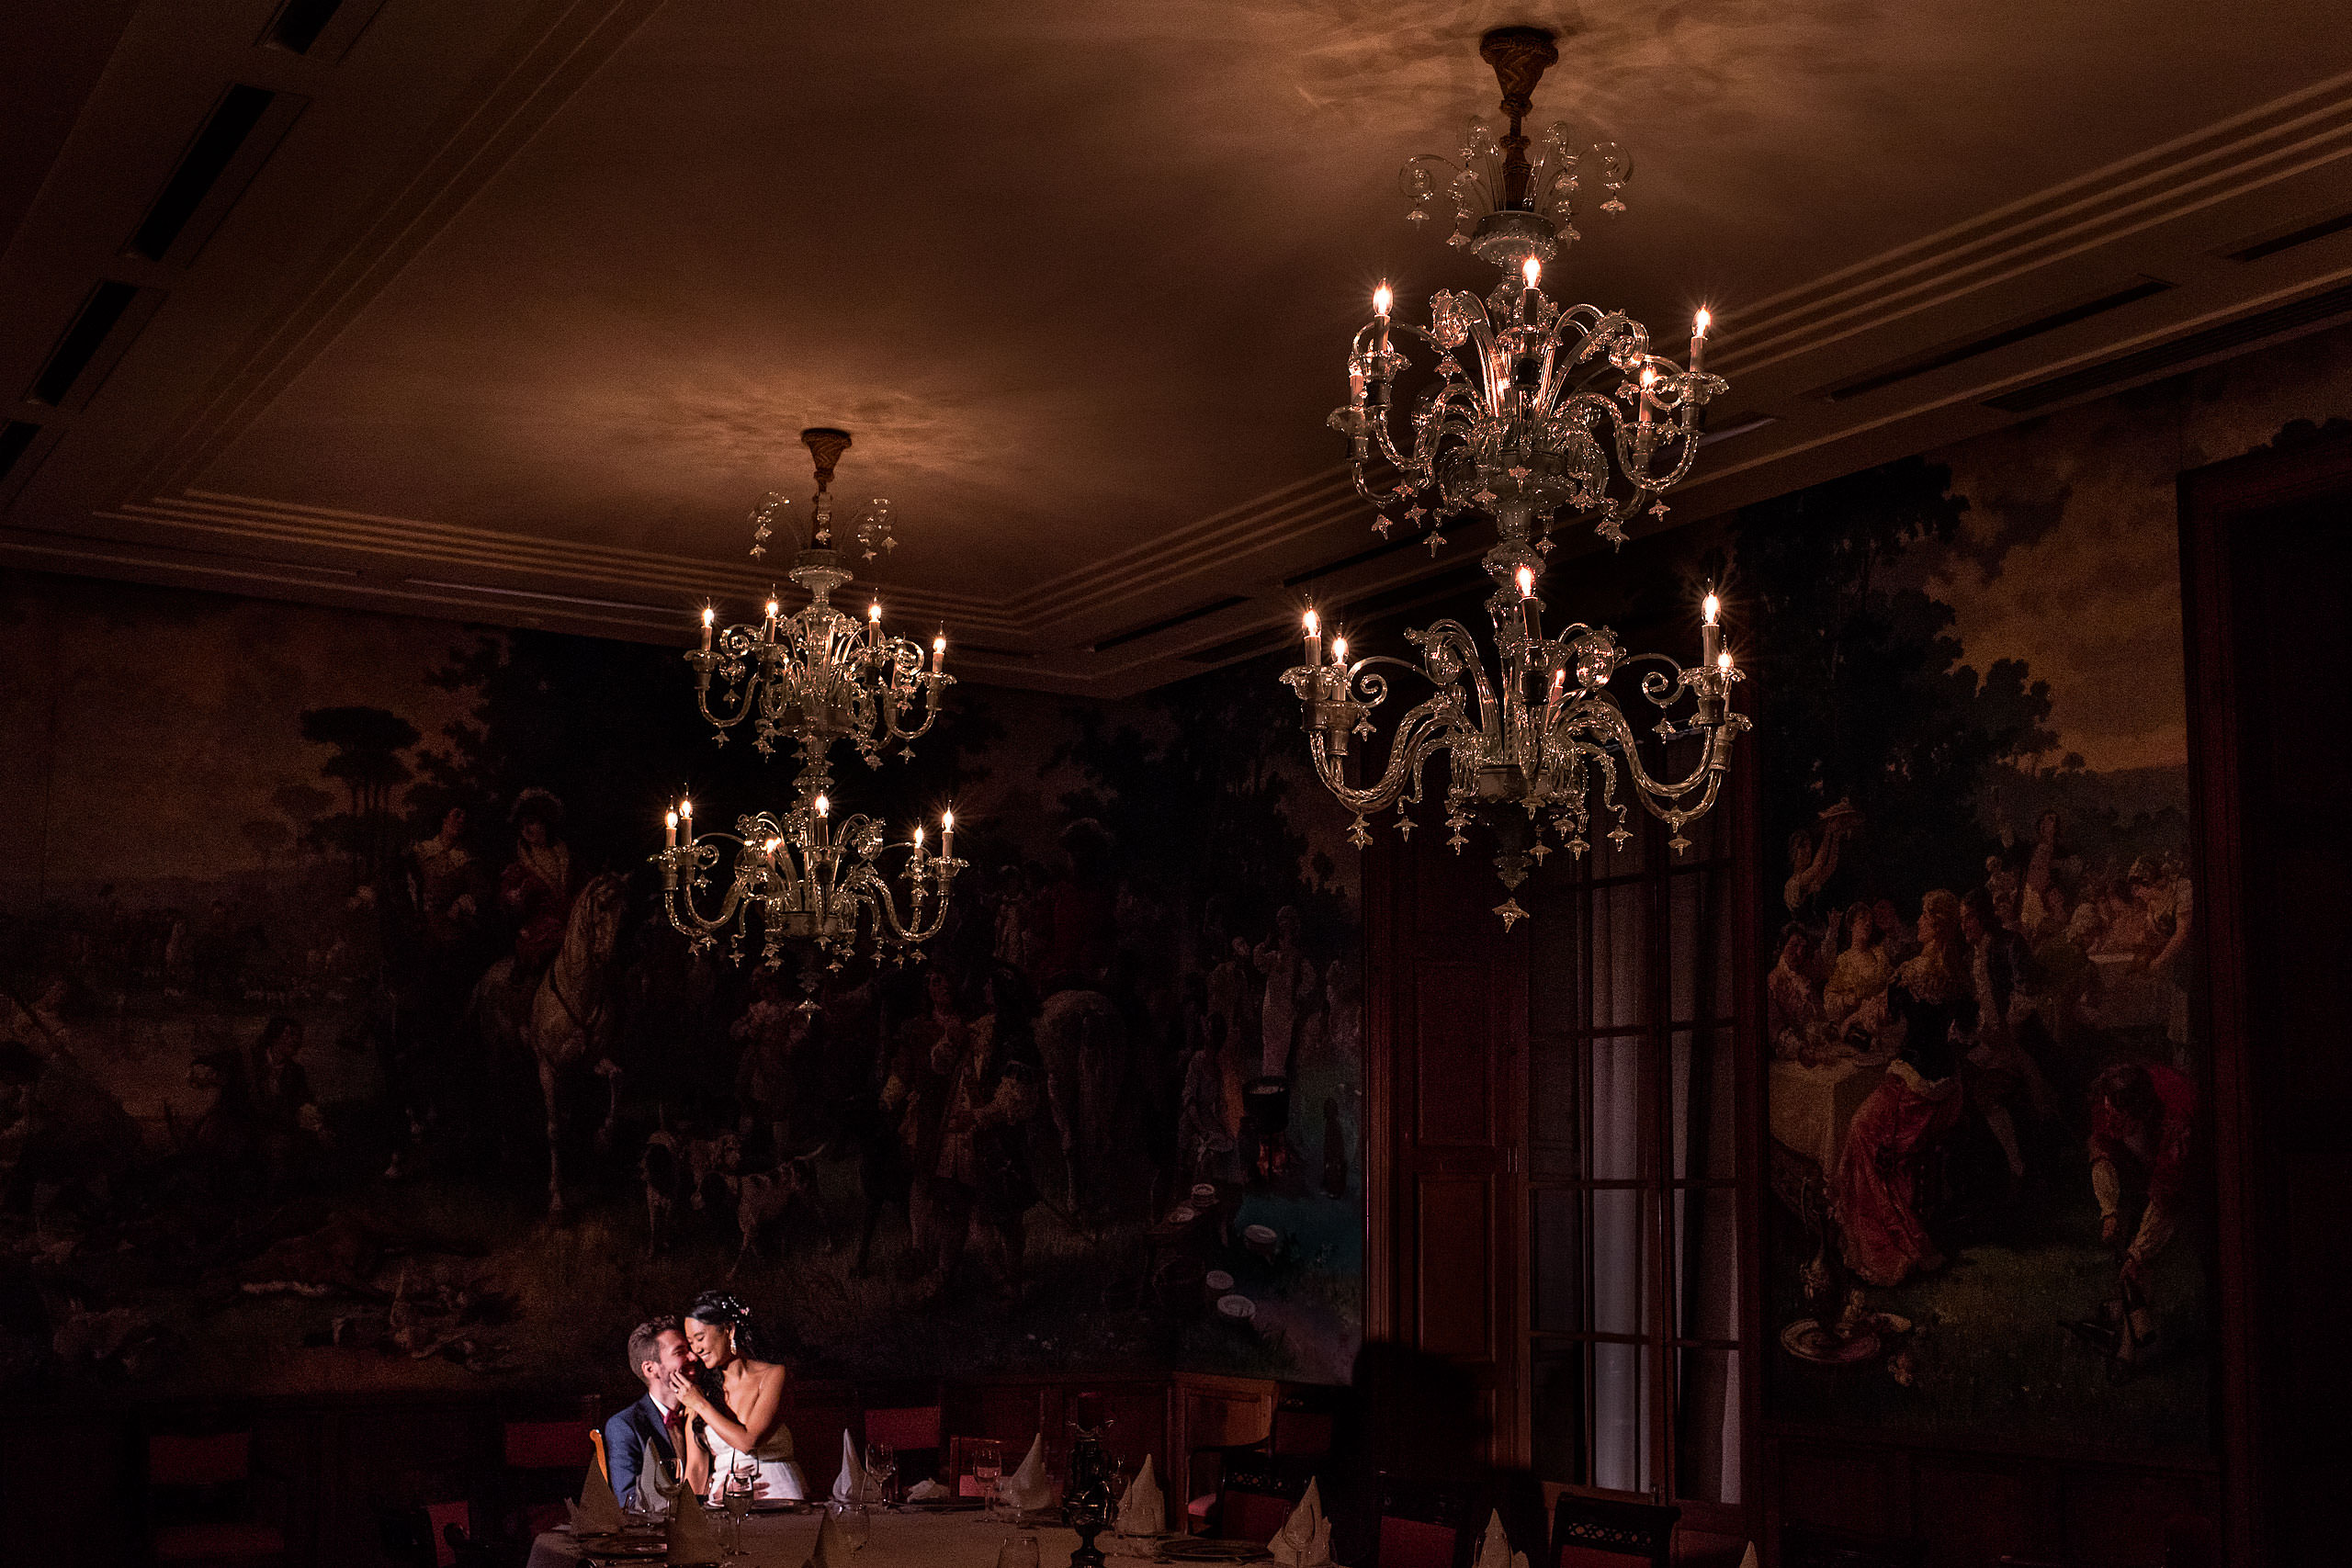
(779, 1473)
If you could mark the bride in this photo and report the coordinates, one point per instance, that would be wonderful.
(720, 1333)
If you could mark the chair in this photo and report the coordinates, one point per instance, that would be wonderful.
(1257, 1493)
(1604, 1532)
(200, 1503)
(1424, 1525)
(545, 1463)
(914, 1431)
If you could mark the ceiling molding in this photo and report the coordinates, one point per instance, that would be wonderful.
(544, 63)
(2288, 136)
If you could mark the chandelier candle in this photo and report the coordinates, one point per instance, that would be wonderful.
(1314, 639)
(1534, 409)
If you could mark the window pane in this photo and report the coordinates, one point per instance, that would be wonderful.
(1555, 1258)
(1555, 1417)
(1554, 1122)
(1707, 1263)
(1614, 1133)
(1620, 1417)
(1705, 1120)
(1618, 947)
(1618, 1275)
(1707, 1449)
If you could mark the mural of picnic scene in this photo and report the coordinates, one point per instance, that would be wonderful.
(355, 1051)
(1985, 1087)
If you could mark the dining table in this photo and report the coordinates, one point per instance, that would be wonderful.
(909, 1537)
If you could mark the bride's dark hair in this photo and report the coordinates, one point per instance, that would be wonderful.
(753, 1340)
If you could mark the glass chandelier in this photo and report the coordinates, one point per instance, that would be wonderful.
(1537, 408)
(805, 680)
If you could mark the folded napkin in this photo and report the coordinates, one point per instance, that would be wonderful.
(1747, 1558)
(1304, 1540)
(932, 1492)
(598, 1512)
(690, 1537)
(652, 1497)
(1493, 1549)
(1143, 1511)
(829, 1552)
(1028, 1487)
(851, 1485)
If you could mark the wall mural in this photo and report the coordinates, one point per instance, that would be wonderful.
(281, 890)
(1988, 1090)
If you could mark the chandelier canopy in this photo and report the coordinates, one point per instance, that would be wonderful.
(1537, 408)
(807, 679)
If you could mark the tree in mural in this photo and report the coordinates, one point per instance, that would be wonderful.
(367, 744)
(1865, 696)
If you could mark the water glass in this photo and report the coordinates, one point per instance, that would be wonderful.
(1020, 1551)
(852, 1524)
(882, 1471)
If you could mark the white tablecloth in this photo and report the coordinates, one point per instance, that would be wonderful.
(900, 1540)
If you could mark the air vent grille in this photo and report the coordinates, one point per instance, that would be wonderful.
(2293, 237)
(300, 22)
(1182, 617)
(234, 118)
(2213, 340)
(1376, 552)
(99, 312)
(15, 436)
(2015, 333)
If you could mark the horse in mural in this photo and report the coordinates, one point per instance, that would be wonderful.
(572, 1016)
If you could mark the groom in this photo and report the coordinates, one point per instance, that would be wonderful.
(656, 1348)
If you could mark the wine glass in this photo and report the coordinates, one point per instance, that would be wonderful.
(1020, 1551)
(736, 1494)
(853, 1523)
(987, 1468)
(882, 1471)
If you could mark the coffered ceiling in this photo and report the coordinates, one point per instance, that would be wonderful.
(512, 310)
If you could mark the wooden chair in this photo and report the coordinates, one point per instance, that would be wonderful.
(913, 1430)
(1425, 1524)
(200, 1505)
(1256, 1493)
(545, 1463)
(1604, 1532)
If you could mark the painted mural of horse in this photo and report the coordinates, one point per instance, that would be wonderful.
(572, 1016)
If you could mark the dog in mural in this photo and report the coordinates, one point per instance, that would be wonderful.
(572, 1015)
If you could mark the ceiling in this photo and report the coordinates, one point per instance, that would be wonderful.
(512, 310)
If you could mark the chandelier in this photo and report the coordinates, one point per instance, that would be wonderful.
(1537, 408)
(819, 675)
(807, 679)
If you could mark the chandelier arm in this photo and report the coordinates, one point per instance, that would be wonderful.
(1425, 728)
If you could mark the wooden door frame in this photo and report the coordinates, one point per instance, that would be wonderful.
(2213, 501)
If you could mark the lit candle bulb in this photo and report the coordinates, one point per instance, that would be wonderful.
(773, 609)
(948, 835)
(873, 625)
(709, 619)
(1339, 651)
(1699, 324)
(670, 821)
(824, 808)
(1314, 639)
(686, 819)
(938, 650)
(1381, 299)
(1711, 634)
(1723, 662)
(918, 846)
(1527, 603)
(1529, 271)
(1648, 376)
